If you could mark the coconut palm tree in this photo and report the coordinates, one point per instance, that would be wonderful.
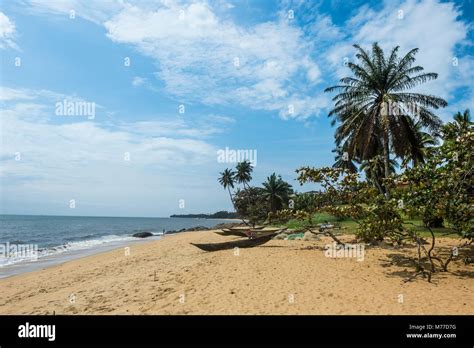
(244, 173)
(374, 103)
(342, 162)
(276, 192)
(227, 181)
(422, 144)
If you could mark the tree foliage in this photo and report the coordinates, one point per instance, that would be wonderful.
(375, 108)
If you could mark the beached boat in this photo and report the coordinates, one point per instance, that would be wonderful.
(247, 232)
(227, 232)
(245, 243)
(242, 228)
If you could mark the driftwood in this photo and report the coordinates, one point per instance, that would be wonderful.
(245, 243)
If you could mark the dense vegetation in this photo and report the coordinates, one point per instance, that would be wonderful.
(396, 163)
(251, 202)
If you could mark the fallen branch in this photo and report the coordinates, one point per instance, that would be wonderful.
(325, 231)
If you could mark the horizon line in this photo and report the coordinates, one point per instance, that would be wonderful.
(101, 216)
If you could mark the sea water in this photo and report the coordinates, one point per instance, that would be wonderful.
(55, 239)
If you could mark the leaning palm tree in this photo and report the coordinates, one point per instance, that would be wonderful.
(373, 103)
(422, 144)
(227, 181)
(276, 192)
(244, 173)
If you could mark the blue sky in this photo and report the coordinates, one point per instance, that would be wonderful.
(250, 75)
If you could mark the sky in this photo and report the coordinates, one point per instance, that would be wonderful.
(121, 107)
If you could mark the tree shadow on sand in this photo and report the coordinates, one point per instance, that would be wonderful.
(405, 260)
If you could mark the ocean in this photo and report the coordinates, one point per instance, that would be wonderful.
(30, 242)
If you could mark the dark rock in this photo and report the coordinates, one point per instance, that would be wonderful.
(142, 234)
(197, 228)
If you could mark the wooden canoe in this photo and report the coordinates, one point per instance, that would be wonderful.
(246, 228)
(245, 243)
(227, 232)
(247, 232)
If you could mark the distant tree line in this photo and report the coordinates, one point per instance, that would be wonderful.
(219, 215)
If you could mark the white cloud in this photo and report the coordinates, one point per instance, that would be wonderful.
(138, 81)
(175, 127)
(15, 94)
(171, 135)
(220, 119)
(323, 29)
(60, 161)
(94, 11)
(11, 94)
(203, 58)
(38, 105)
(215, 62)
(7, 32)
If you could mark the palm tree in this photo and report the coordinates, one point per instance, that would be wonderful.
(374, 104)
(244, 173)
(227, 181)
(422, 144)
(276, 192)
(244, 176)
(342, 162)
(462, 121)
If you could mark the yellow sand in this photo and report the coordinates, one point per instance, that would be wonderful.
(281, 277)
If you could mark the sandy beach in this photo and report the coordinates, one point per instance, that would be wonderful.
(170, 276)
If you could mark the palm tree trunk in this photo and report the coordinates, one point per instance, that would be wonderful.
(231, 198)
(248, 192)
(386, 160)
(377, 184)
(248, 199)
(233, 204)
